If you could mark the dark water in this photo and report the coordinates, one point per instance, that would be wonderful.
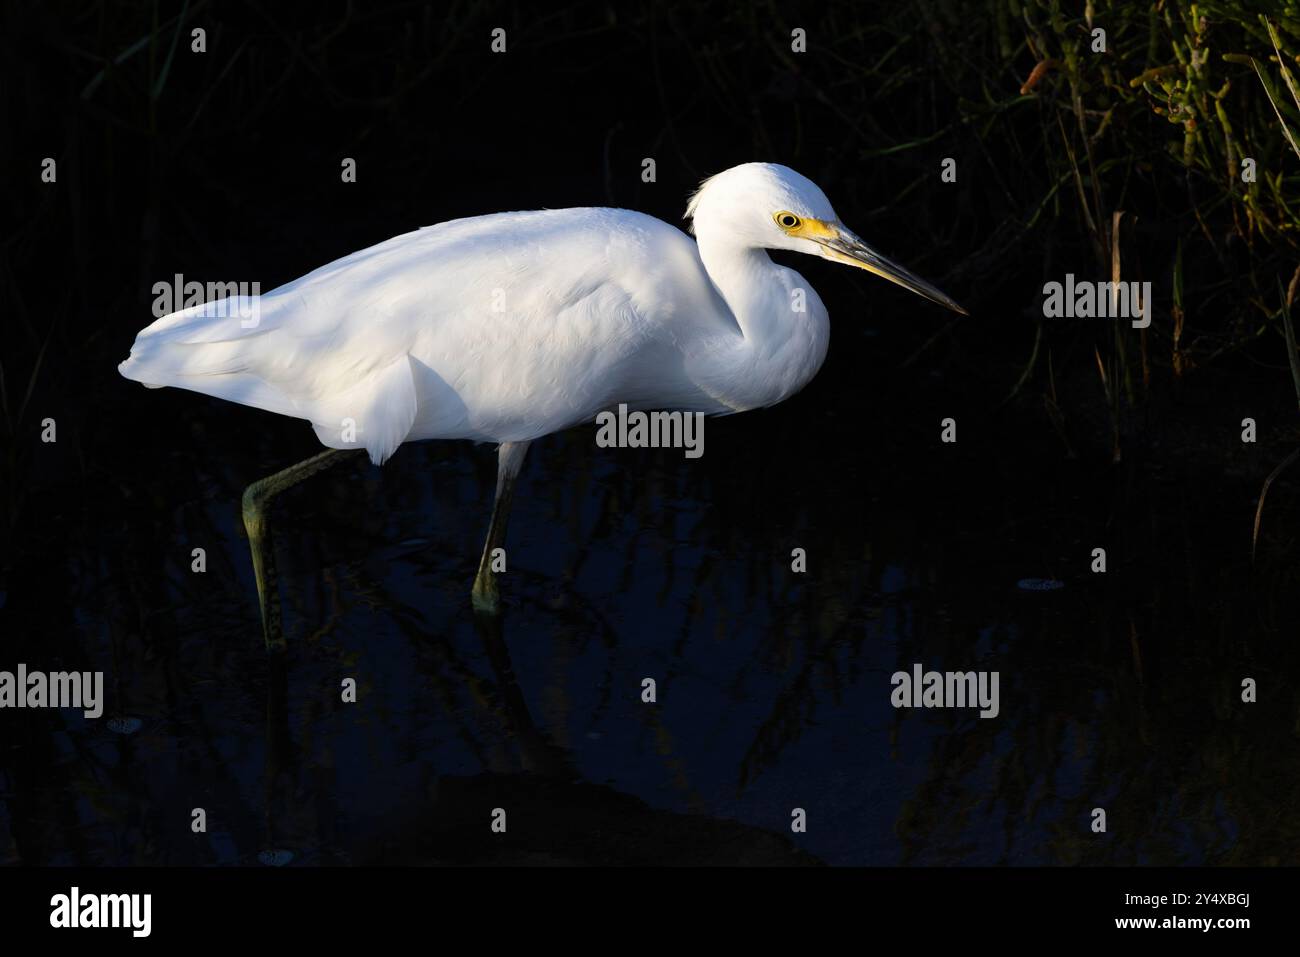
(1119, 691)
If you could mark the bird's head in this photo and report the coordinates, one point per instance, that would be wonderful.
(767, 206)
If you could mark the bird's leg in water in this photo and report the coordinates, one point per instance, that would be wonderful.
(257, 501)
(510, 458)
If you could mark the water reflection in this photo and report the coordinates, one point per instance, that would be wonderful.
(1119, 691)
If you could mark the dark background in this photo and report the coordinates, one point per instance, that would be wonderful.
(1118, 690)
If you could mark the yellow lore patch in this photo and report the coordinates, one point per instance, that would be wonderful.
(804, 227)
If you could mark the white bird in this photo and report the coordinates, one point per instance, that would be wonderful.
(508, 327)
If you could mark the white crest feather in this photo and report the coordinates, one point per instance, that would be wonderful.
(693, 203)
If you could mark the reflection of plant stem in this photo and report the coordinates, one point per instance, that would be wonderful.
(279, 744)
(538, 752)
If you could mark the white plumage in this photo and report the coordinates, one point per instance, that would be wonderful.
(509, 327)
(512, 326)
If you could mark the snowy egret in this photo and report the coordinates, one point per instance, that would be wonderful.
(508, 327)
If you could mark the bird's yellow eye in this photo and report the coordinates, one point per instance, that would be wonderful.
(787, 220)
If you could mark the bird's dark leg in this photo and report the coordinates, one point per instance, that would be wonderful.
(257, 500)
(510, 458)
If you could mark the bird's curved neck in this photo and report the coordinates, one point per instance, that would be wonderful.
(752, 286)
(784, 325)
